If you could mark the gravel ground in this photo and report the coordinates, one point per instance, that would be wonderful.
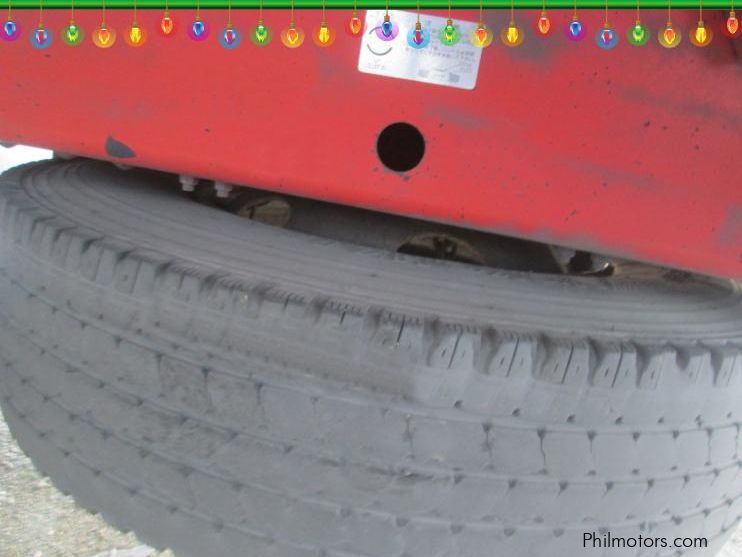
(36, 520)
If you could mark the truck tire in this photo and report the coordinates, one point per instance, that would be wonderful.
(224, 388)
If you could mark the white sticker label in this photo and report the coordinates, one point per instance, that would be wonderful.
(436, 63)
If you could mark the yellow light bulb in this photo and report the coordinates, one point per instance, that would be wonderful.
(324, 34)
(701, 34)
(512, 35)
(135, 34)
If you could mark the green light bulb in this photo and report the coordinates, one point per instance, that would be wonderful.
(73, 32)
(449, 35)
(261, 32)
(638, 32)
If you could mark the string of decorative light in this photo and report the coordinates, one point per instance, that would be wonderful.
(450, 35)
(262, 34)
(387, 30)
(11, 30)
(701, 35)
(167, 24)
(135, 35)
(732, 28)
(229, 37)
(199, 29)
(417, 37)
(669, 37)
(638, 35)
(512, 35)
(355, 24)
(41, 37)
(575, 29)
(104, 36)
(292, 36)
(543, 24)
(323, 35)
(606, 38)
(482, 35)
(72, 35)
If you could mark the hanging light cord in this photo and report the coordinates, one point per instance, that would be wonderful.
(292, 13)
(41, 14)
(72, 11)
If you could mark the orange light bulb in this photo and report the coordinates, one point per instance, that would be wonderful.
(104, 36)
(166, 24)
(544, 25)
(292, 35)
(481, 33)
(355, 25)
(669, 34)
(732, 23)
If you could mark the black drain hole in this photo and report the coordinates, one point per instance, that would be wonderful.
(401, 146)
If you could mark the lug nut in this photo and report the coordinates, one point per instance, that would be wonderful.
(222, 189)
(187, 183)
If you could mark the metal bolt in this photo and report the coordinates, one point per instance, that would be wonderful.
(188, 183)
(222, 189)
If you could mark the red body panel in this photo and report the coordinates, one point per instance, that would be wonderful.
(633, 151)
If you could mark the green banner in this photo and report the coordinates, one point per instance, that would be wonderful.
(375, 4)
